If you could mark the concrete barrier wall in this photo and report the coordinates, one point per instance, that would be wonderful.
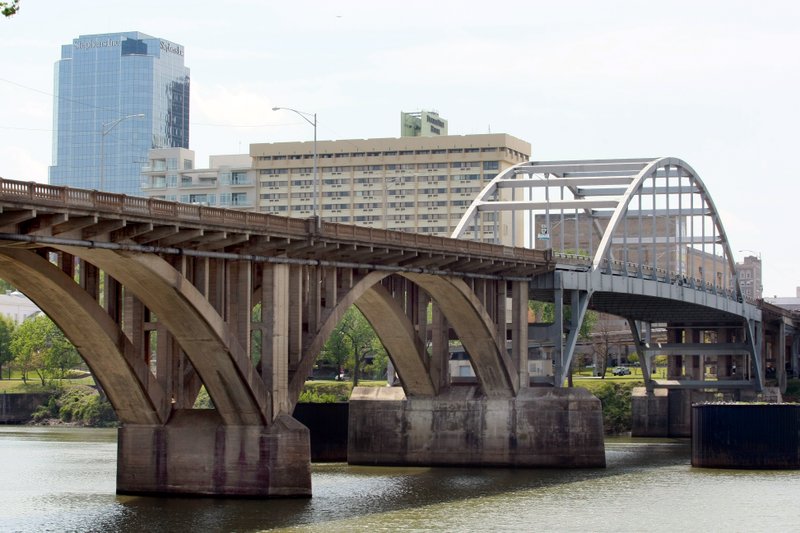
(18, 408)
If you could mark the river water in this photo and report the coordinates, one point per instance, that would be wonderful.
(63, 479)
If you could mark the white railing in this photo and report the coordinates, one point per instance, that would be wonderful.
(629, 269)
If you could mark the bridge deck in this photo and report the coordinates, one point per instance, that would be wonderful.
(42, 212)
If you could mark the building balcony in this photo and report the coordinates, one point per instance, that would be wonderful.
(198, 184)
(157, 185)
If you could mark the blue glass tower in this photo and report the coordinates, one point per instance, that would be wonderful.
(117, 95)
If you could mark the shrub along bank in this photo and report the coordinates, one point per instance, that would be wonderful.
(82, 405)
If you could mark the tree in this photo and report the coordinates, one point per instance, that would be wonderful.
(5, 287)
(7, 327)
(604, 346)
(9, 8)
(350, 343)
(545, 312)
(38, 345)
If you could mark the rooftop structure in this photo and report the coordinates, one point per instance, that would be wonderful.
(422, 124)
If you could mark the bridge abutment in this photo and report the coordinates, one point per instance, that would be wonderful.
(540, 427)
(196, 454)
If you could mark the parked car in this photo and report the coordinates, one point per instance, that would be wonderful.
(621, 371)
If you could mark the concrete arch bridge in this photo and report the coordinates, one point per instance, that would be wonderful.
(162, 298)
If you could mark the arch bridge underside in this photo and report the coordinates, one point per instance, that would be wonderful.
(636, 238)
(162, 299)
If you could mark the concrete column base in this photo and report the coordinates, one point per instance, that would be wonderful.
(668, 413)
(650, 413)
(541, 427)
(196, 454)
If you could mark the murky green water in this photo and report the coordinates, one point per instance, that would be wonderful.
(64, 480)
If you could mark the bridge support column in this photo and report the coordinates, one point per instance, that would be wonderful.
(196, 454)
(540, 427)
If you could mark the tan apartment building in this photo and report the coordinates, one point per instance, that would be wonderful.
(415, 184)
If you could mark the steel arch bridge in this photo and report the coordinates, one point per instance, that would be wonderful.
(637, 238)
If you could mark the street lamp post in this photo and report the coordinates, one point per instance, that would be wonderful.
(105, 129)
(313, 122)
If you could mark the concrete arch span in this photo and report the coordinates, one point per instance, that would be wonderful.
(237, 391)
(464, 313)
(131, 388)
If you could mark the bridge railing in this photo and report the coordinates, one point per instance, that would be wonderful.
(425, 242)
(630, 269)
(120, 205)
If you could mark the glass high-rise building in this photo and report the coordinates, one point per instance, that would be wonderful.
(117, 95)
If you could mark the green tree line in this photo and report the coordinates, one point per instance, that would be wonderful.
(36, 348)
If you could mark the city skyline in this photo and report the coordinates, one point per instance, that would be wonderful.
(711, 84)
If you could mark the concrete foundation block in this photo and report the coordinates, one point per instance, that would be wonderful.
(667, 412)
(196, 454)
(541, 427)
(650, 413)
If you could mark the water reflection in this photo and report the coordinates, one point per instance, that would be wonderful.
(65, 480)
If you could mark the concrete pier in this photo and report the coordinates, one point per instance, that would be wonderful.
(738, 435)
(668, 412)
(197, 454)
(540, 427)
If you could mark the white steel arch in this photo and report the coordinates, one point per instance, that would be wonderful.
(649, 217)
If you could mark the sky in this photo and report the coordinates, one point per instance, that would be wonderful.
(714, 83)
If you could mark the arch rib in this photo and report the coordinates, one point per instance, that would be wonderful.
(636, 186)
(134, 392)
(238, 393)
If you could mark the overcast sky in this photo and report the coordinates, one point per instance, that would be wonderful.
(714, 83)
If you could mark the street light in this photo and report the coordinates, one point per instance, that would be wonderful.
(105, 129)
(305, 116)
